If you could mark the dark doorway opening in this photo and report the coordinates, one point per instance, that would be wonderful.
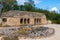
(4, 19)
(21, 20)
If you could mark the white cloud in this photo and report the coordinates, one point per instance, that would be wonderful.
(54, 9)
(21, 2)
(37, 1)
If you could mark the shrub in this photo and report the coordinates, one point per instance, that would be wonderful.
(23, 31)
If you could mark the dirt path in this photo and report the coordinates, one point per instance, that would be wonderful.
(56, 36)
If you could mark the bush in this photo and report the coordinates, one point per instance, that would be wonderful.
(23, 31)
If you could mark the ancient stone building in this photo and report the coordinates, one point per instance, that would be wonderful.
(17, 18)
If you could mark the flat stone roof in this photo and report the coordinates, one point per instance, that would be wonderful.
(16, 13)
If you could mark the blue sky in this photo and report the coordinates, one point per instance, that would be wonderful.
(50, 5)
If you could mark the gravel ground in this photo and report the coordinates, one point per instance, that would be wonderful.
(56, 36)
(7, 30)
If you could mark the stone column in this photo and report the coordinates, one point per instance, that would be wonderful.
(36, 21)
(23, 21)
(26, 21)
(39, 21)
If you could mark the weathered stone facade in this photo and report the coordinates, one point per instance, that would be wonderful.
(17, 18)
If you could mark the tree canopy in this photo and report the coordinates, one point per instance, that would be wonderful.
(8, 4)
(30, 6)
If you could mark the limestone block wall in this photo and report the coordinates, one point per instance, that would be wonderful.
(32, 21)
(13, 21)
(43, 20)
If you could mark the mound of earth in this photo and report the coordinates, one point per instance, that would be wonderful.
(40, 32)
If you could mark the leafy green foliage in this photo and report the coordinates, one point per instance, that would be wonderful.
(9, 5)
(29, 6)
(23, 31)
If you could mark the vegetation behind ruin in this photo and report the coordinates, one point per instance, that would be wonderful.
(30, 6)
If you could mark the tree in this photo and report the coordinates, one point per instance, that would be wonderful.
(1, 8)
(31, 2)
(10, 2)
(9, 5)
(21, 7)
(29, 6)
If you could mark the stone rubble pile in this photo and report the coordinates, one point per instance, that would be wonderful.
(41, 32)
(33, 33)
